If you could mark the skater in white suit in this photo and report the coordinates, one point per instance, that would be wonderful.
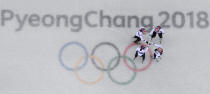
(139, 35)
(157, 30)
(157, 52)
(140, 51)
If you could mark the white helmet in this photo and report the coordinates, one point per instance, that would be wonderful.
(142, 28)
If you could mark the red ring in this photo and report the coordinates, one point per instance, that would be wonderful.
(135, 69)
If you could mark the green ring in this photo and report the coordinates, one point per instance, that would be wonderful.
(117, 82)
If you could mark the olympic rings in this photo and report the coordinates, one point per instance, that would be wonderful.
(135, 69)
(112, 45)
(109, 68)
(68, 44)
(126, 82)
(88, 82)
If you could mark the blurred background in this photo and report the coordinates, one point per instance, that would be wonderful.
(40, 46)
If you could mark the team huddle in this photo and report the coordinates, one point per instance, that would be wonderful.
(144, 44)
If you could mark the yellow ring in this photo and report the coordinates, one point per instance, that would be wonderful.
(88, 82)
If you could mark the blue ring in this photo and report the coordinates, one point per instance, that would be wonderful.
(68, 44)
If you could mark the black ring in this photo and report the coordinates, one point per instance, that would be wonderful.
(112, 45)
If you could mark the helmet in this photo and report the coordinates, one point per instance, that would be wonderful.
(160, 49)
(142, 28)
(159, 27)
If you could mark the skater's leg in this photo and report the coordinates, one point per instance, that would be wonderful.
(137, 40)
(161, 40)
(136, 55)
(135, 37)
(154, 56)
(153, 35)
(160, 36)
(143, 58)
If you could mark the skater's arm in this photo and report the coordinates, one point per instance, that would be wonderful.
(162, 31)
(146, 49)
(142, 39)
(158, 46)
(138, 49)
(137, 34)
(151, 32)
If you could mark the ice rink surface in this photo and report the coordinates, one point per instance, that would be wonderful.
(29, 62)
